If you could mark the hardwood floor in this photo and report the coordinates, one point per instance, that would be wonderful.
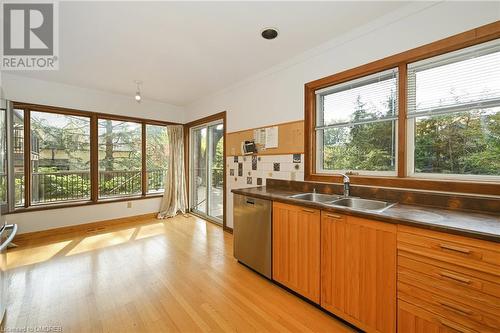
(175, 275)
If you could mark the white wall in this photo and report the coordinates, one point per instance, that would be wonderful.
(277, 95)
(56, 218)
(28, 90)
(22, 89)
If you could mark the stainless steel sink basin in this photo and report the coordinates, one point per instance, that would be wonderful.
(363, 204)
(316, 197)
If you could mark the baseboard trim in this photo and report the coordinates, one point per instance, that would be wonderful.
(81, 229)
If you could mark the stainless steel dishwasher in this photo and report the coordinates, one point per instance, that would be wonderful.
(252, 233)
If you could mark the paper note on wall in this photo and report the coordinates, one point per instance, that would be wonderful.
(272, 137)
(259, 136)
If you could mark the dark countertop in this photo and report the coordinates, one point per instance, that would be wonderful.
(470, 224)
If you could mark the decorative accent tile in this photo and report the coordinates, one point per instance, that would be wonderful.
(231, 172)
(249, 180)
(235, 159)
(240, 169)
(276, 167)
(254, 162)
(297, 158)
(296, 166)
(259, 181)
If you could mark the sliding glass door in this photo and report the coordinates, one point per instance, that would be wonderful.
(206, 174)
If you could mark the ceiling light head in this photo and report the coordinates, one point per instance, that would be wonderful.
(269, 33)
(138, 96)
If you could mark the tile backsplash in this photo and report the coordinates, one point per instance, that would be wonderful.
(250, 171)
(268, 166)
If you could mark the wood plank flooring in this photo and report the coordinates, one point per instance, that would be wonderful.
(175, 275)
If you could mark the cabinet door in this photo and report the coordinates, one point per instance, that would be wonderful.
(358, 271)
(296, 249)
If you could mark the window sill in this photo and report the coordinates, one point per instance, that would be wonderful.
(72, 204)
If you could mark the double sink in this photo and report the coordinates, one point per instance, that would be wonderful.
(349, 202)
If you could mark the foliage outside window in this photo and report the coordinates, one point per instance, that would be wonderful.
(356, 127)
(120, 161)
(60, 157)
(156, 157)
(454, 113)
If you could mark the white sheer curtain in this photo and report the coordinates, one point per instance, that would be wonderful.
(175, 196)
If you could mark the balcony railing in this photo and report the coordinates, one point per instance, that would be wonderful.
(60, 186)
(217, 177)
(155, 180)
(75, 185)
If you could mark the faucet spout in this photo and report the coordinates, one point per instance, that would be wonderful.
(347, 184)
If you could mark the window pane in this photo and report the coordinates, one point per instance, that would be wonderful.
(362, 99)
(156, 157)
(357, 124)
(462, 79)
(19, 156)
(459, 143)
(60, 157)
(216, 170)
(119, 158)
(199, 169)
(367, 147)
(454, 108)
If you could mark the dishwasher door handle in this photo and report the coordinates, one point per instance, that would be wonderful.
(250, 202)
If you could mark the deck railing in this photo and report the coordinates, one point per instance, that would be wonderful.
(75, 185)
(217, 177)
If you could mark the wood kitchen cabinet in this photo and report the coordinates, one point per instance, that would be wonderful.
(296, 249)
(358, 271)
(447, 283)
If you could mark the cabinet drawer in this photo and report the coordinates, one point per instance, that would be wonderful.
(451, 310)
(413, 319)
(449, 278)
(461, 251)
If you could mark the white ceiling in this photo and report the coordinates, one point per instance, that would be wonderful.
(185, 50)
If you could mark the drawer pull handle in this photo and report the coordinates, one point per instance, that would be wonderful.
(308, 210)
(454, 248)
(455, 277)
(455, 307)
(334, 216)
(454, 326)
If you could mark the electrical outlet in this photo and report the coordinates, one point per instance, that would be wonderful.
(129, 204)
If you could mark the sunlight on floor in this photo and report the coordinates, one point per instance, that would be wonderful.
(102, 240)
(150, 230)
(34, 255)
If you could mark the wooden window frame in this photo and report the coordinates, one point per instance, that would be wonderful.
(94, 158)
(401, 60)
